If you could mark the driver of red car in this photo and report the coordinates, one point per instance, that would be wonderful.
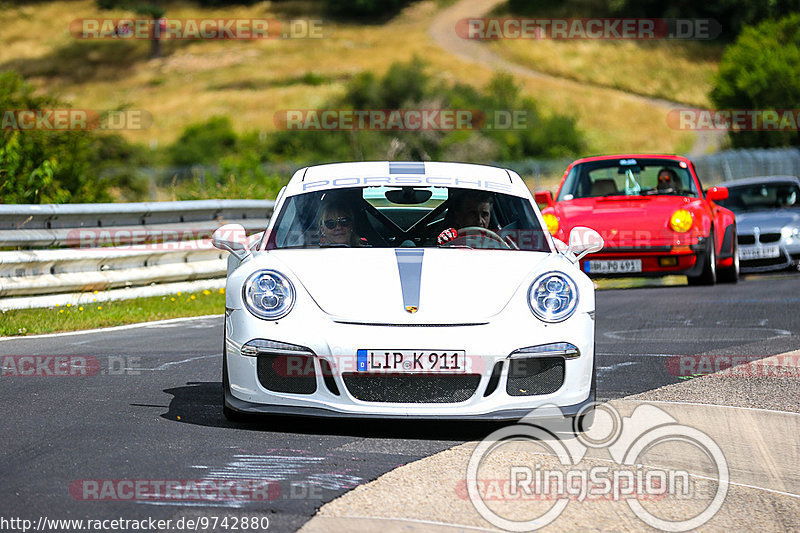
(668, 181)
(467, 209)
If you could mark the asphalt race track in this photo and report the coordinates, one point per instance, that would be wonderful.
(152, 409)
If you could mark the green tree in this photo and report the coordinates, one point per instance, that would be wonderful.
(204, 143)
(761, 70)
(38, 166)
(408, 85)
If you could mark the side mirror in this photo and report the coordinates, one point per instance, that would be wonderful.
(715, 194)
(544, 197)
(583, 241)
(561, 246)
(232, 238)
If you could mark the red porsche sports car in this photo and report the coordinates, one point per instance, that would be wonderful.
(653, 214)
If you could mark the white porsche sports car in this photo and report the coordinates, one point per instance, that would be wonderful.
(407, 290)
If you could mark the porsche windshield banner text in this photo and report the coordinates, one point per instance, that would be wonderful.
(436, 181)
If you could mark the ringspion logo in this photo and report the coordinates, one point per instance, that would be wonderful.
(541, 462)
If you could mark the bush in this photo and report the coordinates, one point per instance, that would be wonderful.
(204, 143)
(409, 86)
(38, 166)
(761, 70)
(365, 8)
(732, 16)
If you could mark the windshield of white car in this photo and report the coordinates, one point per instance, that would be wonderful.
(628, 177)
(392, 217)
(762, 197)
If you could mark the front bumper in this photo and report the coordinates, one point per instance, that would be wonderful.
(336, 343)
(786, 259)
(688, 260)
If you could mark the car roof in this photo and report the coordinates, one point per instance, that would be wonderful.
(759, 180)
(406, 173)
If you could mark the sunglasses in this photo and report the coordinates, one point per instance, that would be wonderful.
(342, 221)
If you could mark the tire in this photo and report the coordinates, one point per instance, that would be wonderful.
(709, 274)
(731, 273)
(230, 414)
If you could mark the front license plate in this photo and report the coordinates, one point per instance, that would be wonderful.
(619, 266)
(763, 252)
(410, 361)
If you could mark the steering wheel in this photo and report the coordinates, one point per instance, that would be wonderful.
(472, 231)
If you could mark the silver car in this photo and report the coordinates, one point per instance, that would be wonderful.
(768, 221)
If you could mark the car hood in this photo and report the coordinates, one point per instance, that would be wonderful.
(620, 220)
(375, 285)
(772, 221)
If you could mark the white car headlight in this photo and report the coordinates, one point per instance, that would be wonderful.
(268, 294)
(553, 297)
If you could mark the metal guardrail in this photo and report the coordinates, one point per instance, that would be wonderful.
(735, 164)
(111, 246)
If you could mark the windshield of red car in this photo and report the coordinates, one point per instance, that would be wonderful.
(762, 197)
(628, 177)
(389, 217)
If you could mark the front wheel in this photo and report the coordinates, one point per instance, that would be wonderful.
(731, 273)
(709, 274)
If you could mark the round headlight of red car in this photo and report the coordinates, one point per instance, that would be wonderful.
(551, 221)
(681, 221)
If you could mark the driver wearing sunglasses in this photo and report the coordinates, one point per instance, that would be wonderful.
(668, 181)
(336, 226)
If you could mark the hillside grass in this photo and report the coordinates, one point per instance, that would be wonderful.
(251, 81)
(676, 71)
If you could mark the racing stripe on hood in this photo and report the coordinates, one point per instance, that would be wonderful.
(409, 265)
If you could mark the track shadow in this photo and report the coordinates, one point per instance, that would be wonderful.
(200, 403)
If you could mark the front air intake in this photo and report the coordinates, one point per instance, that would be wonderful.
(287, 373)
(532, 376)
(387, 388)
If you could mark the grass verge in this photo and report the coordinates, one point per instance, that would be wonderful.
(20, 322)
